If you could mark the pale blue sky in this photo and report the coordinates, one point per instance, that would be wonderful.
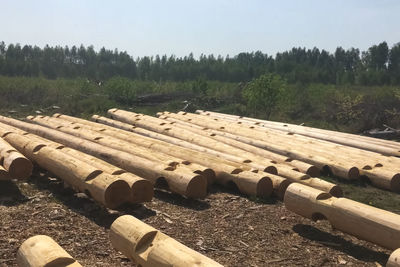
(204, 26)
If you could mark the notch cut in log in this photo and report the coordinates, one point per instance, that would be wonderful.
(148, 247)
(43, 251)
(362, 221)
(16, 164)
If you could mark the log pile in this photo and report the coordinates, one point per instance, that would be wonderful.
(344, 161)
(43, 251)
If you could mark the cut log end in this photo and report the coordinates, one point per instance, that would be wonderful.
(142, 191)
(395, 183)
(20, 168)
(197, 187)
(271, 169)
(336, 191)
(209, 174)
(353, 173)
(394, 260)
(264, 187)
(313, 171)
(116, 194)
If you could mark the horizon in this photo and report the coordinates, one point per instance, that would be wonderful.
(208, 27)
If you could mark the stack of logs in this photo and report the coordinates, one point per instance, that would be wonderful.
(120, 159)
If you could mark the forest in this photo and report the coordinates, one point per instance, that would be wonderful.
(348, 90)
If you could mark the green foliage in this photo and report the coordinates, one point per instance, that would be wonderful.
(122, 90)
(262, 94)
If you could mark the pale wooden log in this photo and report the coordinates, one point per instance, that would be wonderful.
(18, 166)
(141, 189)
(43, 251)
(140, 166)
(344, 170)
(179, 186)
(262, 186)
(83, 177)
(394, 259)
(365, 222)
(384, 179)
(147, 246)
(301, 166)
(289, 127)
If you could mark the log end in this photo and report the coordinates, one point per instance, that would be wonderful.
(264, 187)
(313, 171)
(394, 260)
(197, 187)
(142, 191)
(336, 191)
(353, 173)
(20, 168)
(395, 183)
(116, 194)
(271, 169)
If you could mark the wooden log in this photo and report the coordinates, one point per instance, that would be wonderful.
(304, 167)
(258, 185)
(43, 251)
(365, 222)
(141, 189)
(394, 259)
(4, 175)
(288, 127)
(18, 166)
(83, 177)
(140, 166)
(147, 246)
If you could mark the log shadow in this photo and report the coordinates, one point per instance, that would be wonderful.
(10, 195)
(178, 200)
(231, 188)
(340, 244)
(83, 205)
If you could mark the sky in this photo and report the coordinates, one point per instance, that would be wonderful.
(219, 27)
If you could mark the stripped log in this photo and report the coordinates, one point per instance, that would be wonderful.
(365, 222)
(43, 251)
(142, 167)
(304, 130)
(18, 166)
(147, 246)
(394, 259)
(285, 170)
(121, 141)
(83, 177)
(141, 189)
(226, 171)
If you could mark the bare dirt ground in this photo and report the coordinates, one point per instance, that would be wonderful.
(226, 227)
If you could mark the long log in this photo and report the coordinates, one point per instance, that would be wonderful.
(225, 172)
(288, 127)
(394, 259)
(43, 251)
(365, 222)
(137, 165)
(83, 177)
(251, 184)
(141, 189)
(18, 166)
(147, 246)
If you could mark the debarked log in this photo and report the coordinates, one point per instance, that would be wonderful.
(147, 246)
(362, 221)
(18, 166)
(81, 176)
(43, 251)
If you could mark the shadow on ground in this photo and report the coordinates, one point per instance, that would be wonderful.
(338, 243)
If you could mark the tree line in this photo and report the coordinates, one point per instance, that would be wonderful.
(379, 65)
